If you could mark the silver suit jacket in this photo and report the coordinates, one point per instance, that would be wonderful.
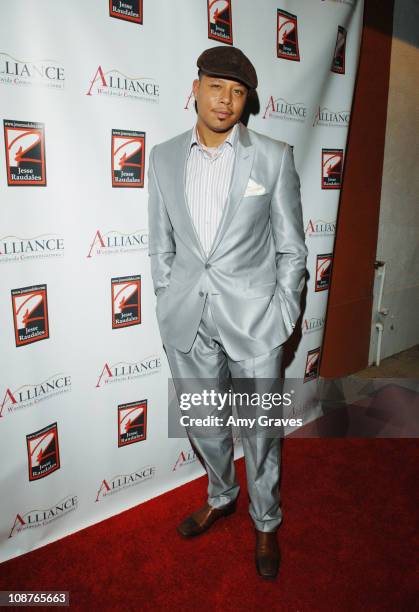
(255, 269)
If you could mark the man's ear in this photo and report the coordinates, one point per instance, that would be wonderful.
(195, 87)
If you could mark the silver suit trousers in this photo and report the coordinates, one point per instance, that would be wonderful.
(208, 359)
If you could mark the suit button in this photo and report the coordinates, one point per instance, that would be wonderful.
(208, 266)
(201, 293)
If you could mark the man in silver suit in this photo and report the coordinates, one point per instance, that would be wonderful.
(228, 260)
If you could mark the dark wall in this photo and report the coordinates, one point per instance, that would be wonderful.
(348, 319)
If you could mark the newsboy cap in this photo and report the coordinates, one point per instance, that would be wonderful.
(228, 62)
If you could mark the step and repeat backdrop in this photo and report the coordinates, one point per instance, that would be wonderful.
(87, 88)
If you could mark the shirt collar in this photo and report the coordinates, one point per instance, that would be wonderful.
(231, 140)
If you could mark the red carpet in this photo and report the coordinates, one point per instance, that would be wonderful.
(349, 541)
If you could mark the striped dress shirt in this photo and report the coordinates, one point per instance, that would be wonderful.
(208, 178)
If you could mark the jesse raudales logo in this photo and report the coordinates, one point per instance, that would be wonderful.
(43, 452)
(220, 25)
(126, 301)
(25, 153)
(312, 324)
(323, 271)
(132, 422)
(116, 484)
(114, 242)
(30, 314)
(329, 118)
(41, 73)
(311, 370)
(16, 249)
(338, 61)
(319, 228)
(332, 168)
(115, 83)
(185, 458)
(128, 157)
(287, 36)
(279, 108)
(129, 10)
(43, 516)
(29, 395)
(124, 370)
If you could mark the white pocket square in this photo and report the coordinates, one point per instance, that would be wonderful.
(254, 188)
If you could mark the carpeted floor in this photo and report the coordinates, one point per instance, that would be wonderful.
(349, 541)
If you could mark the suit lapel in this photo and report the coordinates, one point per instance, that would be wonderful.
(186, 221)
(245, 153)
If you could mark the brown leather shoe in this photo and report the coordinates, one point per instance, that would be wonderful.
(267, 555)
(202, 519)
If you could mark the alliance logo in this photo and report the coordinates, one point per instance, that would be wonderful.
(338, 61)
(313, 324)
(16, 249)
(115, 83)
(319, 228)
(124, 371)
(43, 452)
(279, 108)
(328, 118)
(120, 482)
(287, 36)
(128, 158)
(332, 168)
(220, 25)
(323, 271)
(40, 73)
(25, 153)
(132, 422)
(114, 242)
(44, 516)
(185, 458)
(312, 365)
(29, 395)
(128, 10)
(30, 314)
(190, 100)
(126, 301)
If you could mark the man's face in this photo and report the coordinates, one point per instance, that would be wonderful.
(220, 102)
